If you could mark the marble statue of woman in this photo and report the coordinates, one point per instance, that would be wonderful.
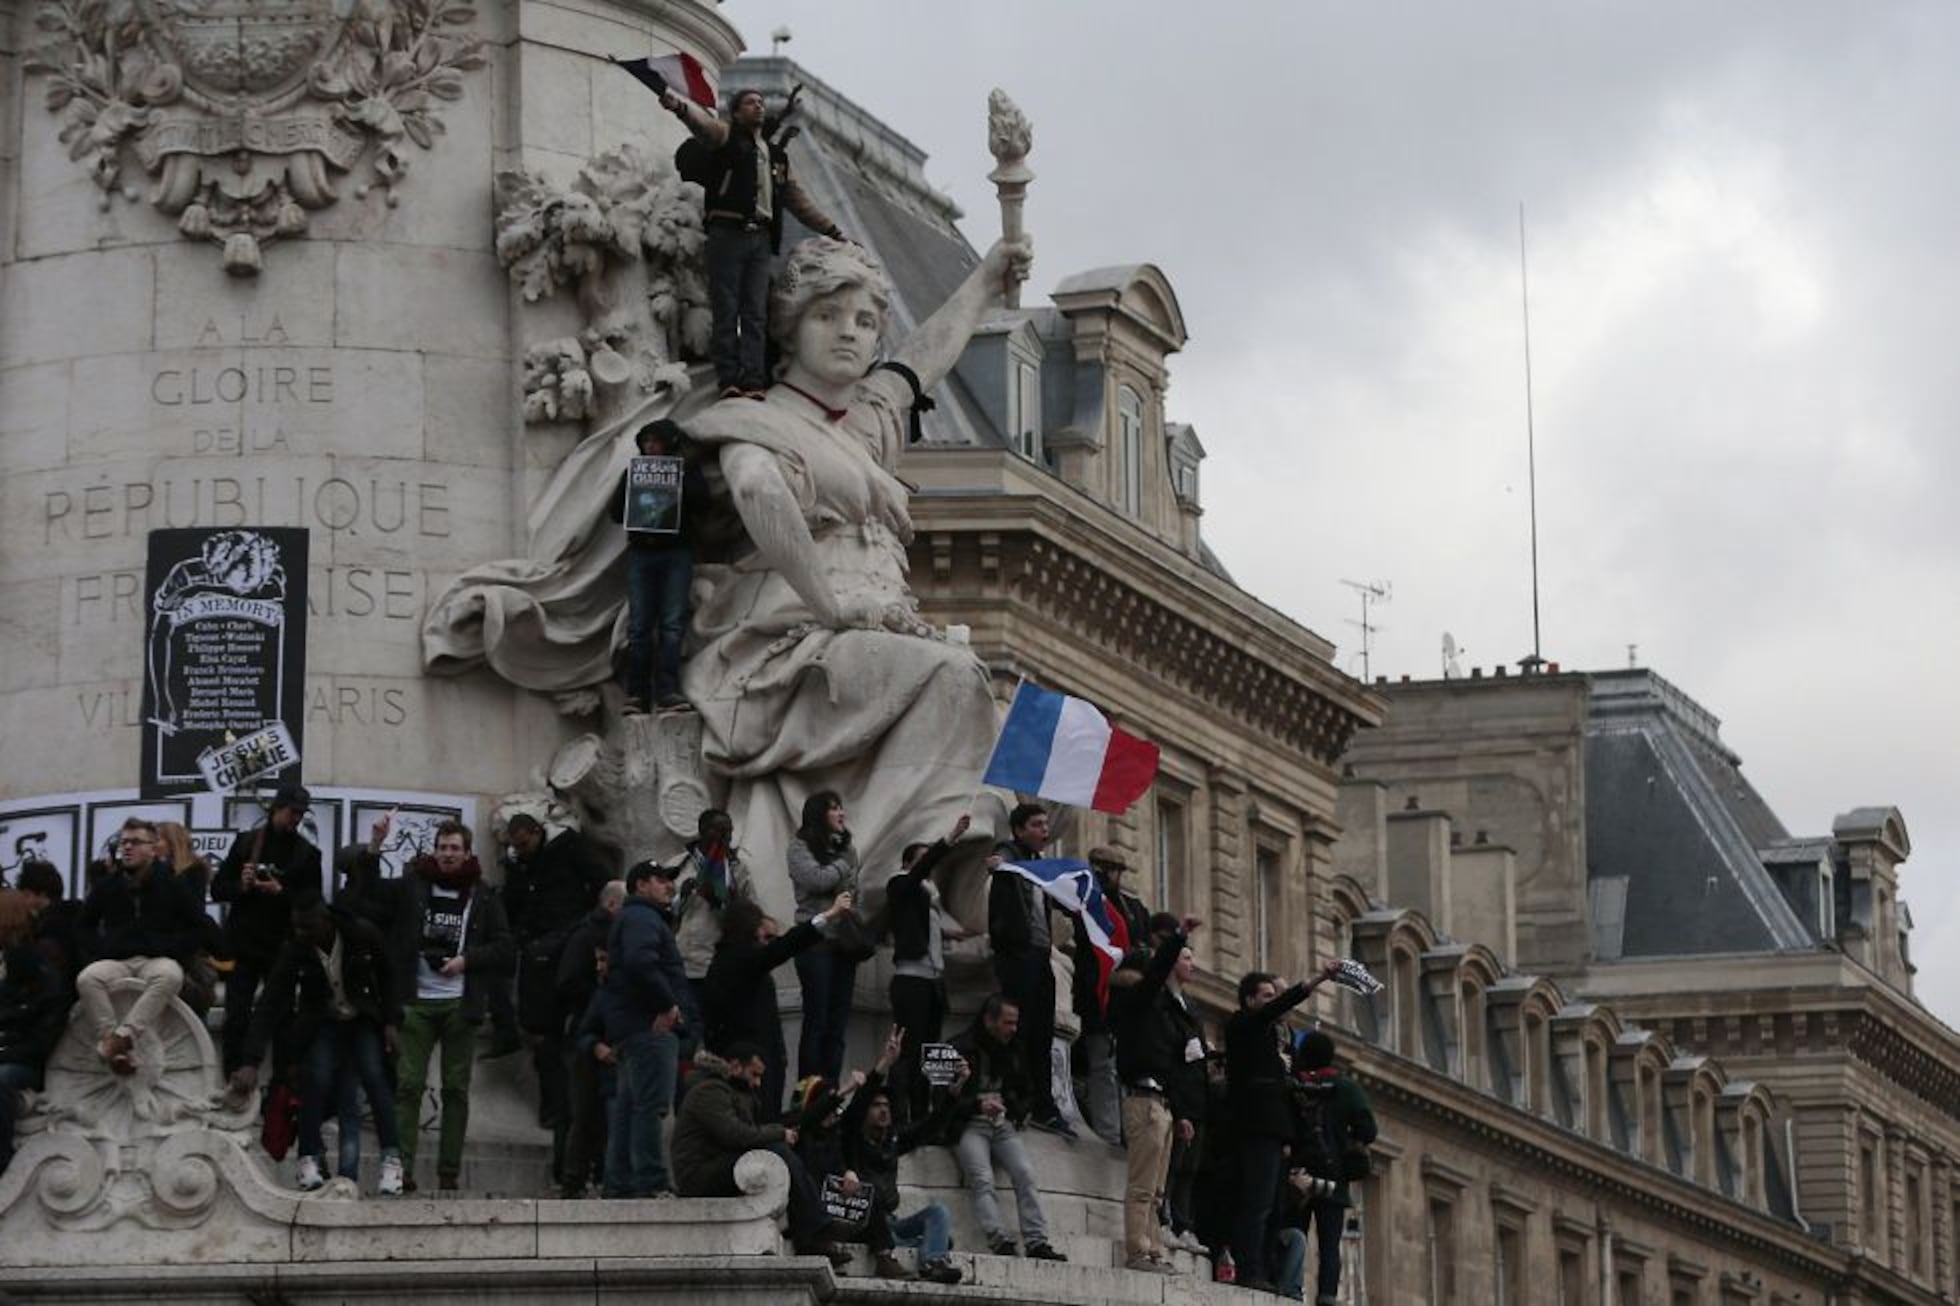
(813, 669)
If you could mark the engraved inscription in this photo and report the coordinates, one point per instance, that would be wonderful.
(335, 503)
(339, 705)
(380, 593)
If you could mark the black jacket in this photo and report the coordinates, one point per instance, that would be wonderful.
(162, 915)
(578, 976)
(875, 1160)
(738, 999)
(908, 905)
(551, 893)
(34, 1001)
(1014, 903)
(994, 1063)
(644, 975)
(396, 907)
(297, 993)
(257, 924)
(1255, 1069)
(1153, 1031)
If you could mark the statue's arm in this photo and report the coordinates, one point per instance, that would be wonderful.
(775, 525)
(932, 350)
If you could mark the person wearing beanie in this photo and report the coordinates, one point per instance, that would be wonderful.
(1333, 1125)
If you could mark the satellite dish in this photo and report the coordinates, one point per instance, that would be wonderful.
(1452, 666)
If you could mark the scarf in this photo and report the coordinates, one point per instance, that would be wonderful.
(463, 879)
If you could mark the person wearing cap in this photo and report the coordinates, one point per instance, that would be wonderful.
(645, 980)
(1098, 1037)
(271, 869)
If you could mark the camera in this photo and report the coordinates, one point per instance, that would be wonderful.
(1313, 1187)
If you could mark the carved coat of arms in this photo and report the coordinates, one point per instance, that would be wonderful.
(245, 112)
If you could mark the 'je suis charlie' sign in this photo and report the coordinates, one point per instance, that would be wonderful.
(224, 685)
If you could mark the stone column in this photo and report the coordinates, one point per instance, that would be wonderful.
(341, 358)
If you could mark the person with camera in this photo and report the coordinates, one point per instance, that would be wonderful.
(1333, 1125)
(448, 942)
(1157, 1036)
(271, 869)
(822, 864)
(1256, 1070)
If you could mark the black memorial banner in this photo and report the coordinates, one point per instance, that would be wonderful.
(225, 652)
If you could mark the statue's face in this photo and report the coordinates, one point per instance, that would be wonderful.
(838, 336)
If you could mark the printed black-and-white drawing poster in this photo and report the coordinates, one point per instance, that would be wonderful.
(40, 834)
(226, 655)
(411, 831)
(653, 494)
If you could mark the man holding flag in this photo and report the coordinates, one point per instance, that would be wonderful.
(1024, 948)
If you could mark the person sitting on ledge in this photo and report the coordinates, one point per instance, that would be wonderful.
(141, 921)
(332, 984)
(872, 1147)
(988, 1109)
(738, 998)
(718, 1123)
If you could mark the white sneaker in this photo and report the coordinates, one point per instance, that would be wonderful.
(310, 1178)
(391, 1176)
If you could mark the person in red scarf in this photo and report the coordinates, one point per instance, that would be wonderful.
(447, 936)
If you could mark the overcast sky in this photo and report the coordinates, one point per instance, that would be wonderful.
(1744, 307)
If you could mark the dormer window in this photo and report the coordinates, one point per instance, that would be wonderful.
(1024, 409)
(1129, 451)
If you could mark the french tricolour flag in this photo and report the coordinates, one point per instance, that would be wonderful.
(1073, 884)
(1065, 750)
(683, 72)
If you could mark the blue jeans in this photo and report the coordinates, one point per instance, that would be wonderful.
(738, 295)
(827, 981)
(636, 1163)
(657, 584)
(929, 1228)
(14, 1076)
(345, 1054)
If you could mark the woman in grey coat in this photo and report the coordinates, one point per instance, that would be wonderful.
(822, 864)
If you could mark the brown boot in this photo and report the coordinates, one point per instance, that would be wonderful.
(890, 1267)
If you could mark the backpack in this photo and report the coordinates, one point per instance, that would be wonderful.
(695, 162)
(1316, 1149)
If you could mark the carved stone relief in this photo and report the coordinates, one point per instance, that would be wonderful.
(626, 239)
(243, 111)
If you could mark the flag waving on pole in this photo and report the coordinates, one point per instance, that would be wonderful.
(1065, 750)
(1073, 884)
(682, 72)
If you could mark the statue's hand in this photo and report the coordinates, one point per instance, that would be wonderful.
(1008, 262)
(860, 612)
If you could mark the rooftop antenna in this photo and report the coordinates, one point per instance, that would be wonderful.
(1536, 660)
(1633, 657)
(777, 40)
(1376, 592)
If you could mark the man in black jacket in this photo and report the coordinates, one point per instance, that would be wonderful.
(872, 1146)
(271, 870)
(659, 578)
(988, 1110)
(644, 981)
(550, 883)
(746, 192)
(1256, 1068)
(141, 921)
(738, 997)
(333, 983)
(1024, 947)
(1156, 1036)
(447, 942)
(919, 932)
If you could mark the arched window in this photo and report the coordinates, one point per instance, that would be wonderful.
(1129, 451)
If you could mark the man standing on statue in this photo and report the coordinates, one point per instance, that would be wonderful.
(1024, 959)
(748, 186)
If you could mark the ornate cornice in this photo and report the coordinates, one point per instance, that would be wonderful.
(1289, 695)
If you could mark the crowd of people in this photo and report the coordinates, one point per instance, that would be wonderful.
(649, 1004)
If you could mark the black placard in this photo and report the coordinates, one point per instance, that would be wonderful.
(940, 1062)
(851, 1209)
(225, 647)
(653, 494)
